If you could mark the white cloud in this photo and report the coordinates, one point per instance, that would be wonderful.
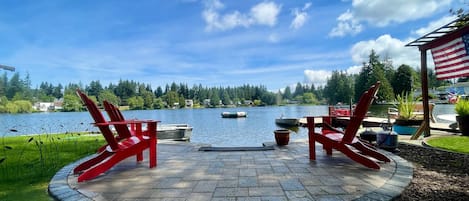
(354, 70)
(433, 26)
(317, 77)
(264, 13)
(320, 77)
(301, 16)
(387, 47)
(383, 12)
(347, 25)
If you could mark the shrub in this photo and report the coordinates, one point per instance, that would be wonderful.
(462, 107)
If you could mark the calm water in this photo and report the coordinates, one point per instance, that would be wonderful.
(208, 126)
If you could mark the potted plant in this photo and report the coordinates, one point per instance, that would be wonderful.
(406, 121)
(282, 136)
(462, 111)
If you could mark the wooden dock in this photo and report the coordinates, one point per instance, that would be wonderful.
(377, 122)
(343, 121)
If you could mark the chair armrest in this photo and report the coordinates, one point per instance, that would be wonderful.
(330, 129)
(136, 121)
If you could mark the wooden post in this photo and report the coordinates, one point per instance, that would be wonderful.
(312, 140)
(152, 130)
(424, 78)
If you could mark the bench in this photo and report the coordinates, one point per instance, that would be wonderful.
(393, 113)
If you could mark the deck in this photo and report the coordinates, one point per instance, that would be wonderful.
(379, 122)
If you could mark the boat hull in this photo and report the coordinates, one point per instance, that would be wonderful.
(288, 122)
(178, 132)
(233, 114)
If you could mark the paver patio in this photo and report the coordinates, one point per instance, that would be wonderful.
(286, 173)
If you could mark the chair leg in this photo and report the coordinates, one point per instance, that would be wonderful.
(89, 163)
(359, 158)
(105, 165)
(370, 152)
(140, 157)
(328, 149)
(153, 152)
(99, 169)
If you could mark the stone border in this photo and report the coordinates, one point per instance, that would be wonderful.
(394, 186)
(59, 187)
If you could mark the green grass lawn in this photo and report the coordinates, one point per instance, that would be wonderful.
(27, 163)
(452, 143)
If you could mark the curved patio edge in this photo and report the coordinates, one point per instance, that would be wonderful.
(394, 186)
(59, 187)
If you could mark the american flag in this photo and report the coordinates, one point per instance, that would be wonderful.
(452, 59)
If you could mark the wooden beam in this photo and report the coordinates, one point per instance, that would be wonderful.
(424, 78)
(445, 38)
(7, 67)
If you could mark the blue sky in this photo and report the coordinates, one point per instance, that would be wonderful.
(275, 43)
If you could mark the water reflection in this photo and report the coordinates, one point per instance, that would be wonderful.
(208, 126)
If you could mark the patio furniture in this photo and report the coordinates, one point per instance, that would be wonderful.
(343, 141)
(116, 150)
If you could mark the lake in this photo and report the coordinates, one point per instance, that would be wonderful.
(208, 126)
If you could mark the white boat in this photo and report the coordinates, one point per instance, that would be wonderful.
(233, 114)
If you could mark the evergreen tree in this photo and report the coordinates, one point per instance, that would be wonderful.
(287, 94)
(372, 72)
(159, 92)
(338, 88)
(15, 87)
(94, 88)
(3, 84)
(403, 79)
(298, 90)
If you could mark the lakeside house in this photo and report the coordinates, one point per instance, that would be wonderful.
(48, 106)
(189, 103)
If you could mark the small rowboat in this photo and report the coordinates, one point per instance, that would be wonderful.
(287, 121)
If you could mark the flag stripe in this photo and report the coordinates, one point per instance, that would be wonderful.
(450, 55)
(452, 63)
(452, 59)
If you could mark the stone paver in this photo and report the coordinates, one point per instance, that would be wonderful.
(286, 173)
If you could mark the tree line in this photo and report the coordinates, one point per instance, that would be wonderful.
(17, 95)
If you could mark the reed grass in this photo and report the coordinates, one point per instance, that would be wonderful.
(27, 163)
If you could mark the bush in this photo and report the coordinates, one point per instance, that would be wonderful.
(462, 107)
(24, 106)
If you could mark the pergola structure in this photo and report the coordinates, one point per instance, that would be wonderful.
(7, 67)
(437, 38)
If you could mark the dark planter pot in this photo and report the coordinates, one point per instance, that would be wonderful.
(463, 122)
(282, 136)
(408, 122)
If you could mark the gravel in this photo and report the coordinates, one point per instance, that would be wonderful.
(438, 175)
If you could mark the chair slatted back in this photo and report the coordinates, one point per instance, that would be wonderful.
(99, 118)
(116, 115)
(360, 112)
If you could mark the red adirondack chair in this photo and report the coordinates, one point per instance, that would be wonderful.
(118, 148)
(116, 116)
(343, 140)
